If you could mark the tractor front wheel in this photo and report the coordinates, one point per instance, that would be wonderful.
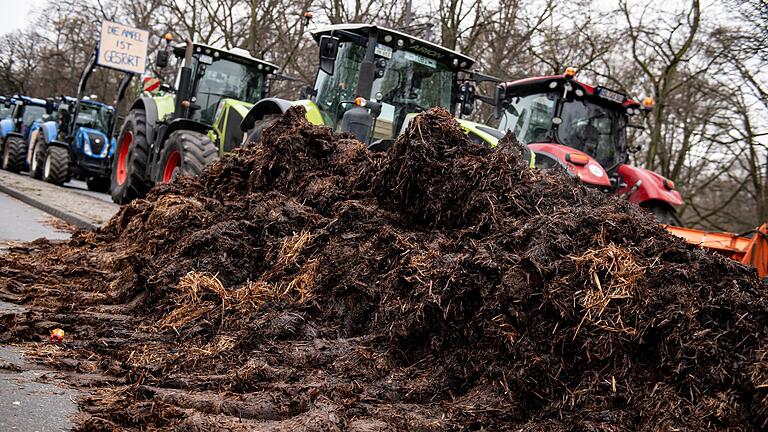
(186, 153)
(13, 154)
(38, 157)
(255, 134)
(56, 166)
(128, 179)
(665, 213)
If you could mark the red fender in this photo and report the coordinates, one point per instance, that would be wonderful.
(654, 187)
(591, 172)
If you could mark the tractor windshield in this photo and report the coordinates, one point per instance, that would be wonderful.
(94, 117)
(587, 124)
(32, 113)
(226, 79)
(410, 83)
(597, 130)
(5, 111)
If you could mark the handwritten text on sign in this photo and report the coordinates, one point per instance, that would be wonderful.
(122, 47)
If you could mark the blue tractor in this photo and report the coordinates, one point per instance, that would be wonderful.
(77, 144)
(24, 113)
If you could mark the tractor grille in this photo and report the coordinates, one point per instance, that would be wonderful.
(97, 143)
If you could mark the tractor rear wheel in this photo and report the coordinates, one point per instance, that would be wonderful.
(186, 153)
(56, 166)
(98, 184)
(38, 157)
(128, 179)
(665, 213)
(255, 134)
(14, 153)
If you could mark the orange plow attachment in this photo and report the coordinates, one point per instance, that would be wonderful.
(752, 251)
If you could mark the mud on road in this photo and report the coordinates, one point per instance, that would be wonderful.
(306, 283)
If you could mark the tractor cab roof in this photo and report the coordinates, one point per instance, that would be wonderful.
(237, 55)
(89, 102)
(28, 100)
(545, 83)
(398, 40)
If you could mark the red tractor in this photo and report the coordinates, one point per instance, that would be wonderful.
(584, 130)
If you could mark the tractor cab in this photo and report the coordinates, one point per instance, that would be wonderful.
(584, 129)
(372, 79)
(91, 115)
(5, 107)
(218, 74)
(561, 110)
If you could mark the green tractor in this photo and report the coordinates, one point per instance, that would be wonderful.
(372, 81)
(192, 125)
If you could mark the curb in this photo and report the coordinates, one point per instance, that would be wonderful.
(66, 217)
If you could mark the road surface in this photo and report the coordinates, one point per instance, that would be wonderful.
(21, 222)
(31, 397)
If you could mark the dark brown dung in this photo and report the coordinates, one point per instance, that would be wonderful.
(306, 283)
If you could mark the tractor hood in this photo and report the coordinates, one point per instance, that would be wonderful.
(576, 163)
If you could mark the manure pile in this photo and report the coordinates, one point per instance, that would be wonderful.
(308, 284)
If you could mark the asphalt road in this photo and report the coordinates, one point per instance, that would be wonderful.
(82, 188)
(31, 398)
(21, 222)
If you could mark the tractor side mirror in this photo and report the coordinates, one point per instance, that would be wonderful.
(7, 104)
(162, 59)
(498, 101)
(49, 107)
(329, 49)
(467, 98)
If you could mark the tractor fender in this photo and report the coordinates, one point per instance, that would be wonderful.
(49, 130)
(654, 187)
(150, 111)
(591, 173)
(6, 127)
(262, 108)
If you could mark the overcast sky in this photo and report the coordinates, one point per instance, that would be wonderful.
(15, 13)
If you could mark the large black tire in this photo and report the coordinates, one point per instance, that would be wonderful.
(14, 153)
(665, 213)
(128, 180)
(98, 184)
(255, 134)
(38, 157)
(56, 166)
(186, 153)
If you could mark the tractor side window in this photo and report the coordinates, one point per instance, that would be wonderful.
(32, 113)
(411, 84)
(529, 117)
(341, 86)
(226, 79)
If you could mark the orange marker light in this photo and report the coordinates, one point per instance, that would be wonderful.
(669, 184)
(576, 159)
(309, 15)
(57, 336)
(648, 102)
(570, 72)
(360, 101)
(168, 37)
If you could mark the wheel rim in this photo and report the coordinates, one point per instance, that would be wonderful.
(35, 156)
(47, 167)
(173, 163)
(122, 158)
